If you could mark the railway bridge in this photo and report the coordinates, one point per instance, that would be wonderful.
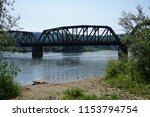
(81, 35)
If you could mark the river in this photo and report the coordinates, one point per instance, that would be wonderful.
(60, 67)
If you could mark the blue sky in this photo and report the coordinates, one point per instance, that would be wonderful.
(37, 15)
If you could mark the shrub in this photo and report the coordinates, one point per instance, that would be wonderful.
(140, 47)
(8, 87)
(127, 75)
(89, 97)
(77, 94)
(137, 27)
(73, 93)
(115, 68)
(127, 70)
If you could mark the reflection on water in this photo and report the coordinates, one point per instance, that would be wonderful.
(69, 62)
(71, 54)
(58, 67)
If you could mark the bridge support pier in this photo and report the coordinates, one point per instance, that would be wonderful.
(123, 52)
(37, 52)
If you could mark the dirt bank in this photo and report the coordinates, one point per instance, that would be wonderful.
(55, 91)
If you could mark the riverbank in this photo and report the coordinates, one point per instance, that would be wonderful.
(55, 91)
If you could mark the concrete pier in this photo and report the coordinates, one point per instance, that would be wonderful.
(37, 52)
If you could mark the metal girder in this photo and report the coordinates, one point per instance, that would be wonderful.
(23, 38)
(79, 35)
(69, 35)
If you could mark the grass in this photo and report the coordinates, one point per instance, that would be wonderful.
(125, 75)
(138, 89)
(78, 94)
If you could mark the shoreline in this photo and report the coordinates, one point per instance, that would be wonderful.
(54, 91)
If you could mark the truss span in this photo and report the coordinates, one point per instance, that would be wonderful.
(78, 36)
(24, 38)
(81, 35)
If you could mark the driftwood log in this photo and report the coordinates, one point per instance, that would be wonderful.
(37, 82)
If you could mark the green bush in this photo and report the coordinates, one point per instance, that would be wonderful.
(8, 87)
(77, 94)
(140, 49)
(126, 70)
(115, 68)
(137, 28)
(74, 93)
(127, 75)
(89, 97)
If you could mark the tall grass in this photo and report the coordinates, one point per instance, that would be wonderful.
(126, 75)
(8, 87)
(78, 94)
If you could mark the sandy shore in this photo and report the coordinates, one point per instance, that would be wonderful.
(55, 91)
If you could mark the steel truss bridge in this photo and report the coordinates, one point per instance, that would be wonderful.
(82, 35)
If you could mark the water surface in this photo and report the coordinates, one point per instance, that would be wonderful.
(60, 67)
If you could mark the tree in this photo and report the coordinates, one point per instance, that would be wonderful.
(137, 26)
(7, 23)
(8, 87)
(129, 20)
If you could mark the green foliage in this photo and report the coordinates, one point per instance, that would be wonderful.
(78, 94)
(114, 68)
(129, 20)
(7, 22)
(138, 28)
(73, 93)
(129, 69)
(77, 49)
(126, 75)
(140, 49)
(8, 87)
(109, 97)
(6, 42)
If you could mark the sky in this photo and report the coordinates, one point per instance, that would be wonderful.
(38, 15)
